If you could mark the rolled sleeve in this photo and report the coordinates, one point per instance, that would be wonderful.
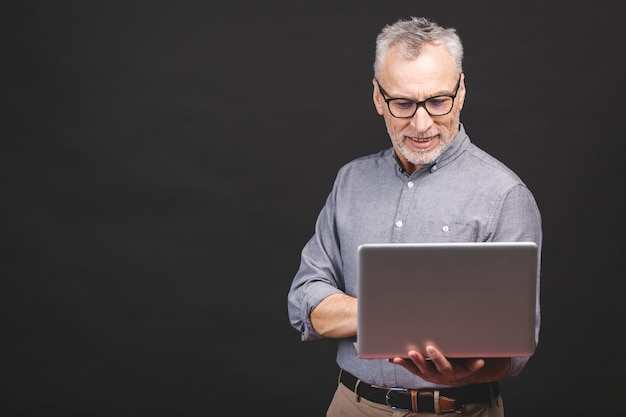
(302, 300)
(319, 274)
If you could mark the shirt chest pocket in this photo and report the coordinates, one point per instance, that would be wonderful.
(442, 231)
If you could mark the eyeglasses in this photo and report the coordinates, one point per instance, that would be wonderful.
(405, 108)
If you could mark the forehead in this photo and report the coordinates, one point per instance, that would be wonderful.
(431, 73)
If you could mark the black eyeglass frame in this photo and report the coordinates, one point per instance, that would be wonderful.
(419, 103)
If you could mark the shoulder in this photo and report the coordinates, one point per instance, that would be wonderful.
(368, 163)
(488, 166)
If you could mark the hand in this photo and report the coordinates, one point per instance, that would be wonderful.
(453, 372)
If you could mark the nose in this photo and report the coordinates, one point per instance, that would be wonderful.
(421, 120)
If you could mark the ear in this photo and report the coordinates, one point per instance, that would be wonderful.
(378, 99)
(462, 92)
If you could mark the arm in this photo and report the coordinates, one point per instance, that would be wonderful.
(335, 316)
(317, 304)
(519, 219)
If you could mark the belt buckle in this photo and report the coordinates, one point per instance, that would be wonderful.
(399, 390)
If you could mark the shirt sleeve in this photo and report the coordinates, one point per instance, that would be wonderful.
(319, 274)
(520, 220)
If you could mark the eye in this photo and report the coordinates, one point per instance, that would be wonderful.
(403, 104)
(438, 102)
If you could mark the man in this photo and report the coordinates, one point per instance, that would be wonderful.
(433, 175)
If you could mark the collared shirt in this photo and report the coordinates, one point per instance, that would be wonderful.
(465, 196)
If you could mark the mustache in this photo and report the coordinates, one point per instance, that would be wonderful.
(421, 135)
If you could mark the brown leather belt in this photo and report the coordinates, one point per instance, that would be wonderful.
(431, 400)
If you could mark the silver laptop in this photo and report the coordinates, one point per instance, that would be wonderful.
(474, 299)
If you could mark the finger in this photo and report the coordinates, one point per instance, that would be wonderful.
(439, 360)
(405, 363)
(420, 362)
(414, 355)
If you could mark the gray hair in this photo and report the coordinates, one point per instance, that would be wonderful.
(410, 35)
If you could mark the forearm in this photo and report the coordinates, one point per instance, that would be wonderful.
(335, 316)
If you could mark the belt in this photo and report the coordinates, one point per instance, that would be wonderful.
(431, 400)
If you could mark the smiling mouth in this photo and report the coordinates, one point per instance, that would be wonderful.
(421, 139)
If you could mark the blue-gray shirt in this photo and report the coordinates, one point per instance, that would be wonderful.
(465, 196)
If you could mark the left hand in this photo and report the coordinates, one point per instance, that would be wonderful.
(453, 372)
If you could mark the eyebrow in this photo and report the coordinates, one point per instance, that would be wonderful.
(440, 93)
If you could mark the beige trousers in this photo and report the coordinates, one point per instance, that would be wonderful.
(345, 403)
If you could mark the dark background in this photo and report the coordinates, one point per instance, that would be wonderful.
(163, 164)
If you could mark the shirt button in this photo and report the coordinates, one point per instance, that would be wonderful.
(410, 184)
(399, 223)
(445, 228)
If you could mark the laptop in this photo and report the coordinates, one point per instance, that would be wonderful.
(470, 299)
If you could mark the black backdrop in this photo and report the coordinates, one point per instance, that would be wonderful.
(163, 164)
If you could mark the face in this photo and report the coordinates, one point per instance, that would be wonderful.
(423, 138)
